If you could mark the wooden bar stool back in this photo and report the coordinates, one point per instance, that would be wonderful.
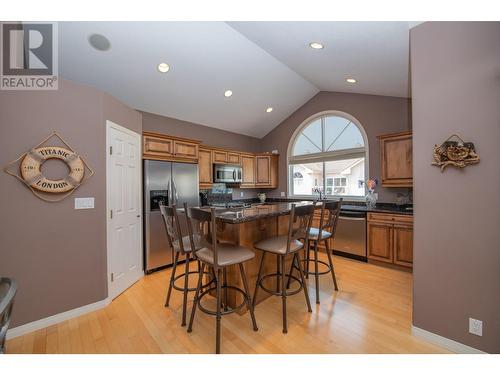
(203, 227)
(282, 246)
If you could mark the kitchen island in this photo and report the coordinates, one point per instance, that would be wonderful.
(245, 226)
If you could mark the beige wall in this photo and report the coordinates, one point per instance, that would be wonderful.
(456, 89)
(57, 254)
(377, 114)
(209, 136)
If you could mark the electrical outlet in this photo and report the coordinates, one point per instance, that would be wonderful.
(283, 194)
(241, 194)
(476, 327)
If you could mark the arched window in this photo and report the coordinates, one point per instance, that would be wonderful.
(328, 153)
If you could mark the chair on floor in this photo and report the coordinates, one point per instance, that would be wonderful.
(182, 247)
(8, 289)
(325, 232)
(282, 246)
(219, 256)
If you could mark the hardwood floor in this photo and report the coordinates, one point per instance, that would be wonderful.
(370, 314)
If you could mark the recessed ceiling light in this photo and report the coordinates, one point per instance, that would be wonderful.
(99, 42)
(228, 93)
(269, 110)
(351, 80)
(163, 67)
(316, 45)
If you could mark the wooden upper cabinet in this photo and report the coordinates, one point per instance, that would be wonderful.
(396, 159)
(205, 167)
(390, 238)
(219, 156)
(266, 171)
(162, 147)
(154, 146)
(234, 158)
(248, 169)
(263, 168)
(185, 149)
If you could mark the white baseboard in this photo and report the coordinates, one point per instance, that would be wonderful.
(54, 319)
(451, 345)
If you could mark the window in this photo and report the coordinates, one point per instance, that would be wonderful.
(328, 154)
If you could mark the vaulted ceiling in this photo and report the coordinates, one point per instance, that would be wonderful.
(265, 64)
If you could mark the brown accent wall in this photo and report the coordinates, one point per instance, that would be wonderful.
(57, 254)
(456, 89)
(209, 136)
(377, 115)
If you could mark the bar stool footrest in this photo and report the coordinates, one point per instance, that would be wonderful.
(274, 292)
(306, 272)
(222, 312)
(193, 289)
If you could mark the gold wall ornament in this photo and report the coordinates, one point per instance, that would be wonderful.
(455, 152)
(29, 171)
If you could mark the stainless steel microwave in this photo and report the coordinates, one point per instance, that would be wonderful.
(225, 173)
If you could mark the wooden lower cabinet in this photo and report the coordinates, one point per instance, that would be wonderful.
(403, 245)
(390, 238)
(380, 241)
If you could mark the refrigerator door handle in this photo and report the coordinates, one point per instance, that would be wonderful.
(175, 196)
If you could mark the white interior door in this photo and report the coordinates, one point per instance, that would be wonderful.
(124, 204)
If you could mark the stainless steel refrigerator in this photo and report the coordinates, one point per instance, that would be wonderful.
(164, 183)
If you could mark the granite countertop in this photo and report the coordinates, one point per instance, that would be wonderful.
(280, 208)
(388, 208)
(257, 211)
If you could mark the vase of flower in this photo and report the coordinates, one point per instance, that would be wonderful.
(371, 196)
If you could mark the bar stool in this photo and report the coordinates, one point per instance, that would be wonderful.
(325, 232)
(282, 246)
(182, 246)
(8, 289)
(202, 224)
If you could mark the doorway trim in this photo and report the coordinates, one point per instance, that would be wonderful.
(110, 125)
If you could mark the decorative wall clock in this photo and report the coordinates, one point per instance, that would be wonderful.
(455, 152)
(27, 169)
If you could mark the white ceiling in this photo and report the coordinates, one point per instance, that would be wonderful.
(265, 64)
(374, 53)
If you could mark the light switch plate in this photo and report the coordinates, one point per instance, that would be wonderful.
(283, 194)
(84, 203)
(476, 327)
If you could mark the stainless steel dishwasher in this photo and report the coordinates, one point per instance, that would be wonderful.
(350, 236)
